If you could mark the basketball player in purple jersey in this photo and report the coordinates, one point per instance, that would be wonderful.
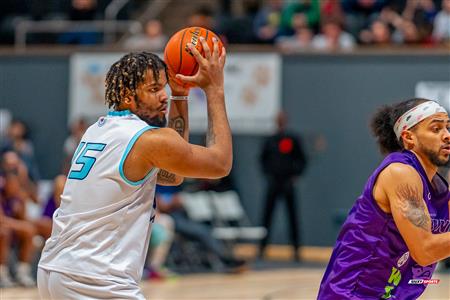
(398, 228)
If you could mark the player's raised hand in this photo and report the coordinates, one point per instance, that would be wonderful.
(210, 70)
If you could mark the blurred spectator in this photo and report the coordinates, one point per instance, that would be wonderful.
(359, 13)
(201, 17)
(163, 231)
(300, 13)
(267, 21)
(77, 130)
(43, 225)
(333, 37)
(378, 34)
(421, 13)
(283, 160)
(153, 39)
(405, 31)
(170, 202)
(441, 31)
(332, 9)
(82, 10)
(240, 29)
(19, 142)
(301, 40)
(12, 164)
(14, 227)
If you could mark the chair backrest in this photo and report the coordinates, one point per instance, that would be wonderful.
(227, 206)
(197, 206)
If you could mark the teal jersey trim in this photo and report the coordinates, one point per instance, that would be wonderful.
(119, 113)
(125, 154)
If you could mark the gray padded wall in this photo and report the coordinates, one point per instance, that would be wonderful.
(332, 96)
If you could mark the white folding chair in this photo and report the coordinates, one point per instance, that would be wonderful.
(228, 210)
(197, 206)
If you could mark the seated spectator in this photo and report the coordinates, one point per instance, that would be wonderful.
(333, 37)
(441, 31)
(43, 225)
(361, 12)
(300, 13)
(378, 34)
(18, 140)
(152, 39)
(14, 227)
(332, 9)
(11, 163)
(239, 29)
(169, 202)
(202, 16)
(266, 24)
(406, 33)
(301, 40)
(163, 230)
(421, 14)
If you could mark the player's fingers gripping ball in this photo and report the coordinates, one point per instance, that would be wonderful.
(179, 58)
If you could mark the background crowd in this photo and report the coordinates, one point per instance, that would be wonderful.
(291, 25)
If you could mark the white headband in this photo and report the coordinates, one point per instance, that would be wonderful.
(415, 115)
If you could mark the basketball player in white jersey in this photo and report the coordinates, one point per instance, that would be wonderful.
(101, 230)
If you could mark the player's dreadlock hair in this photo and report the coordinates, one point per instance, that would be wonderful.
(383, 121)
(127, 73)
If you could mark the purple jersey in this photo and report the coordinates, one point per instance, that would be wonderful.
(370, 259)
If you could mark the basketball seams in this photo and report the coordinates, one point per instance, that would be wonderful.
(195, 66)
(180, 63)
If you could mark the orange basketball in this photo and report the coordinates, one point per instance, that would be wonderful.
(177, 56)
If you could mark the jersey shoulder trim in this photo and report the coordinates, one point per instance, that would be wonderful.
(125, 154)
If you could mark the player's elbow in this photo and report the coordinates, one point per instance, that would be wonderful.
(221, 170)
(221, 166)
(423, 255)
(178, 181)
(421, 260)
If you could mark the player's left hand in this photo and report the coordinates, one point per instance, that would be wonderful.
(176, 88)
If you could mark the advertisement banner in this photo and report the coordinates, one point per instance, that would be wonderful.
(435, 90)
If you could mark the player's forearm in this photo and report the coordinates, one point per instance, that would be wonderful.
(436, 247)
(218, 136)
(178, 120)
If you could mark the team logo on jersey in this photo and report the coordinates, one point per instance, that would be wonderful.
(402, 260)
(101, 121)
(429, 196)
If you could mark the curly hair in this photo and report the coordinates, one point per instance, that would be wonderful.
(126, 74)
(383, 121)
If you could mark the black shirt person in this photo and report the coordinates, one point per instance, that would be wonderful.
(283, 160)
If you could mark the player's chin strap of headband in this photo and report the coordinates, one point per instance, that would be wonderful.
(415, 115)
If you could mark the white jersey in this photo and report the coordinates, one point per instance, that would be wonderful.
(102, 227)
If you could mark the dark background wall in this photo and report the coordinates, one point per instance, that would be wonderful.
(329, 100)
(35, 90)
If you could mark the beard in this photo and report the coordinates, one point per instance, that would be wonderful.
(145, 114)
(433, 156)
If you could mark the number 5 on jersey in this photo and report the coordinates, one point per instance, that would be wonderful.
(82, 158)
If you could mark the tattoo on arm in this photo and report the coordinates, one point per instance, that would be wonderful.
(412, 206)
(210, 136)
(178, 124)
(167, 177)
